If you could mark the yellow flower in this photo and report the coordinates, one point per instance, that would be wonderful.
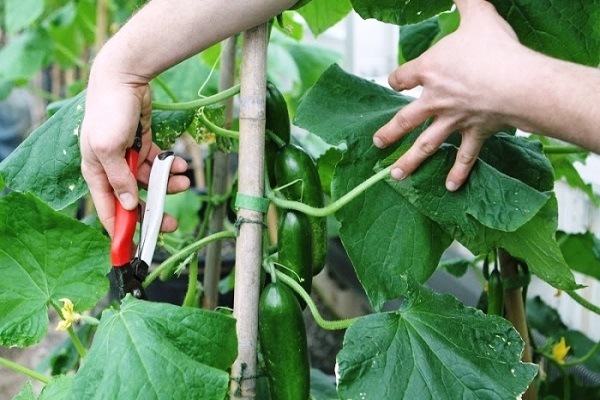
(560, 350)
(68, 315)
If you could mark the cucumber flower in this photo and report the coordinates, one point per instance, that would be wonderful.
(68, 315)
(560, 350)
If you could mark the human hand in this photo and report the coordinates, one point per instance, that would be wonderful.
(115, 103)
(465, 79)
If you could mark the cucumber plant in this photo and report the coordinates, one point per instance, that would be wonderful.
(394, 233)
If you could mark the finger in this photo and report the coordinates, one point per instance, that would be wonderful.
(122, 180)
(102, 196)
(466, 157)
(405, 76)
(405, 121)
(424, 147)
(169, 223)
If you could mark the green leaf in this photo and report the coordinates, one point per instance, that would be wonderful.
(20, 14)
(185, 206)
(565, 29)
(26, 393)
(488, 198)
(48, 162)
(45, 256)
(58, 388)
(343, 109)
(416, 38)
(321, 15)
(65, 358)
(400, 12)
(25, 55)
(158, 351)
(167, 126)
(433, 347)
(581, 252)
(534, 243)
(290, 27)
(326, 165)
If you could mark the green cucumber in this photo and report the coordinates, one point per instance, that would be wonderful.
(283, 344)
(294, 249)
(277, 127)
(495, 294)
(297, 175)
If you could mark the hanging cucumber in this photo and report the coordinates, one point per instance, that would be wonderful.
(297, 175)
(283, 344)
(277, 126)
(294, 248)
(495, 294)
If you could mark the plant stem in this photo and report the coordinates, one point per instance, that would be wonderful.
(328, 325)
(24, 370)
(217, 129)
(563, 150)
(186, 251)
(206, 101)
(515, 313)
(583, 302)
(77, 343)
(219, 183)
(250, 182)
(190, 295)
(336, 205)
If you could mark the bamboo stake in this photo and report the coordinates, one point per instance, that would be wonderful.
(220, 183)
(515, 313)
(101, 34)
(251, 182)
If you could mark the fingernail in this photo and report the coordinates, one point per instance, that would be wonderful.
(397, 174)
(451, 186)
(127, 200)
(377, 142)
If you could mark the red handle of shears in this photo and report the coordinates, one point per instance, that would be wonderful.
(126, 220)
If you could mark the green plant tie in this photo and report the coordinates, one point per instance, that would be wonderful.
(250, 202)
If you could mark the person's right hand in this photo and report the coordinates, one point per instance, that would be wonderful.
(464, 78)
(115, 103)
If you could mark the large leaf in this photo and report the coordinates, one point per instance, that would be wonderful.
(384, 235)
(321, 15)
(44, 257)
(158, 351)
(387, 234)
(47, 163)
(565, 29)
(433, 347)
(57, 389)
(20, 14)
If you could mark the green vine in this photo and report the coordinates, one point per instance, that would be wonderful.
(217, 130)
(336, 205)
(194, 104)
(185, 252)
(24, 370)
(583, 302)
(328, 325)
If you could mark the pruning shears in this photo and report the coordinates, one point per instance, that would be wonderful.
(130, 273)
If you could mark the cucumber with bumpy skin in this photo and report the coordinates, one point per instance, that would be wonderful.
(297, 176)
(283, 343)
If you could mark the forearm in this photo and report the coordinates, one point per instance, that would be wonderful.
(558, 99)
(164, 32)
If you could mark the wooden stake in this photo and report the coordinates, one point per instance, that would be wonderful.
(251, 182)
(515, 312)
(220, 181)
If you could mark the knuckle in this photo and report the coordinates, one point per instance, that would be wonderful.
(403, 124)
(465, 158)
(426, 146)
